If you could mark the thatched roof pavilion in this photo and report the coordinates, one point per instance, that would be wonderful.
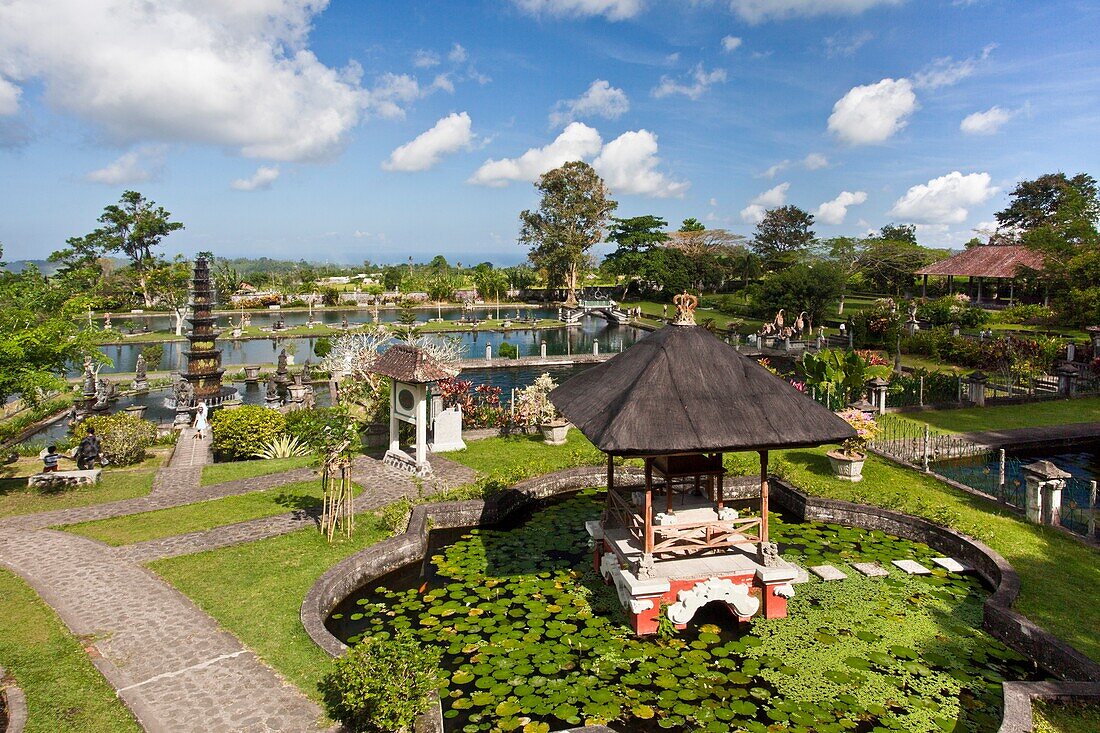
(986, 262)
(679, 398)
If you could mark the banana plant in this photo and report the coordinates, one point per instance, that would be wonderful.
(840, 374)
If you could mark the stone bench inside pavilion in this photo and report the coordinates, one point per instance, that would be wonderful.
(65, 479)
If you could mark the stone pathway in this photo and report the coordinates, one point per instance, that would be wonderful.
(169, 661)
(192, 452)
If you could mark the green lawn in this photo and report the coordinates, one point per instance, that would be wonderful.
(221, 472)
(256, 590)
(203, 515)
(18, 498)
(1053, 567)
(64, 691)
(1004, 417)
(521, 456)
(1053, 717)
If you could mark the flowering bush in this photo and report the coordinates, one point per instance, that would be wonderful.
(866, 429)
(480, 405)
(872, 357)
(953, 309)
(123, 437)
(533, 406)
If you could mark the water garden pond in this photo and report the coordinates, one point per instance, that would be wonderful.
(559, 341)
(534, 641)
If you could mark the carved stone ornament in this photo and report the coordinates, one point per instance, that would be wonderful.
(769, 555)
(713, 589)
(685, 309)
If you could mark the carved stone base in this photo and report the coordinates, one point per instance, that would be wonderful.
(404, 462)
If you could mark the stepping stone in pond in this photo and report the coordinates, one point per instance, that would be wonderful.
(951, 565)
(871, 569)
(802, 577)
(827, 572)
(912, 567)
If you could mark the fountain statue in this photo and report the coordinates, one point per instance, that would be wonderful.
(281, 376)
(141, 379)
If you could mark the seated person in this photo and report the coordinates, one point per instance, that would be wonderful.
(49, 461)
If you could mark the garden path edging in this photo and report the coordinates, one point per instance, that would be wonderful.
(15, 703)
(999, 619)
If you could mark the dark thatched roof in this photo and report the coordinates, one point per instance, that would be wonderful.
(987, 261)
(407, 363)
(681, 389)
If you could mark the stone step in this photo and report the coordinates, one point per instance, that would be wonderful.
(827, 572)
(871, 569)
(952, 565)
(912, 567)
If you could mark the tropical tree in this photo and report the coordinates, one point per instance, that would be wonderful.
(491, 283)
(168, 284)
(39, 334)
(134, 227)
(801, 288)
(782, 235)
(573, 211)
(692, 224)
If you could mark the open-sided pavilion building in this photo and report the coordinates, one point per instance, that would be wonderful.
(679, 399)
(984, 264)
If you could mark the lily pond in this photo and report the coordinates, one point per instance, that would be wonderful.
(533, 641)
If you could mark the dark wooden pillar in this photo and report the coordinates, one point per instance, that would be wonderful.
(979, 300)
(648, 528)
(924, 287)
(763, 496)
(950, 284)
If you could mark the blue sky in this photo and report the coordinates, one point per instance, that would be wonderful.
(345, 131)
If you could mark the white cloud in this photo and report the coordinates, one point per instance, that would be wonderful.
(600, 100)
(986, 123)
(946, 71)
(701, 81)
(135, 166)
(776, 169)
(731, 43)
(713, 202)
(770, 199)
(9, 97)
(815, 161)
(873, 113)
(425, 59)
(457, 54)
(944, 200)
(758, 11)
(392, 93)
(610, 9)
(451, 134)
(833, 212)
(576, 142)
(237, 75)
(629, 165)
(840, 44)
(261, 180)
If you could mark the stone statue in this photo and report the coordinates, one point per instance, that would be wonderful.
(912, 311)
(307, 372)
(281, 368)
(184, 393)
(272, 392)
(107, 322)
(140, 369)
(89, 378)
(769, 555)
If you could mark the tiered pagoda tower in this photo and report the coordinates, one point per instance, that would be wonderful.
(204, 361)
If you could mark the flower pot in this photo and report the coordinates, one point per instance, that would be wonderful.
(847, 467)
(554, 433)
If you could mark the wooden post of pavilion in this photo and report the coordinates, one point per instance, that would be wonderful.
(763, 496)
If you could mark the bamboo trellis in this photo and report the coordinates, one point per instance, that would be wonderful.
(337, 498)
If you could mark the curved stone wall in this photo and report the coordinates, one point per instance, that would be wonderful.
(15, 705)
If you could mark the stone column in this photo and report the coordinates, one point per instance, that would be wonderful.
(976, 387)
(1044, 483)
(1067, 380)
(878, 388)
(1094, 335)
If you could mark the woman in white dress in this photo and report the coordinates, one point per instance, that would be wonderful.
(200, 420)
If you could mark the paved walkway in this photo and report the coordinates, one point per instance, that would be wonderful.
(190, 451)
(169, 661)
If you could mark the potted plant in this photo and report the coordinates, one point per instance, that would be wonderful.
(847, 462)
(533, 408)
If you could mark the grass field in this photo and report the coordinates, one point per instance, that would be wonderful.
(64, 691)
(18, 498)
(1005, 417)
(1053, 717)
(256, 590)
(205, 515)
(218, 473)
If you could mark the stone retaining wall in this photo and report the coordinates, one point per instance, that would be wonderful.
(15, 705)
